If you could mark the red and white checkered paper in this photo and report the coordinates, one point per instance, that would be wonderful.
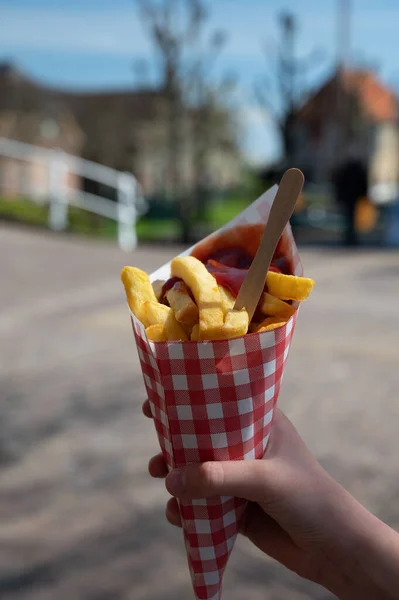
(215, 401)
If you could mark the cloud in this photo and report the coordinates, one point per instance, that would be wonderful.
(260, 142)
(254, 116)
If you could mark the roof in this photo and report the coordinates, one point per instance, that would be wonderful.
(137, 105)
(17, 91)
(117, 125)
(377, 101)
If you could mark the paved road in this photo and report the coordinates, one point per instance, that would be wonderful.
(79, 516)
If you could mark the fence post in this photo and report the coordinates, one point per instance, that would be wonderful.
(127, 213)
(58, 188)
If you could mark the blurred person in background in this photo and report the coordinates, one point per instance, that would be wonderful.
(350, 183)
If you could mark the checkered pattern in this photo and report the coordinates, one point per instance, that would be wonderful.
(215, 401)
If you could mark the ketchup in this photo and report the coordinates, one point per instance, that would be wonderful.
(229, 255)
(233, 257)
(169, 283)
(230, 277)
(168, 286)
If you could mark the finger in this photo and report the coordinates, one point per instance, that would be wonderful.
(269, 537)
(157, 467)
(243, 479)
(173, 513)
(147, 409)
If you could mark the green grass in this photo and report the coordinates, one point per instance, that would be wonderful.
(23, 211)
(79, 221)
(158, 229)
(221, 212)
(85, 223)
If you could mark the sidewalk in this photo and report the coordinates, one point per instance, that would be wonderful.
(80, 516)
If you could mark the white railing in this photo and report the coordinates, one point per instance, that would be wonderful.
(59, 166)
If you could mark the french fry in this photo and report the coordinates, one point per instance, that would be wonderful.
(156, 333)
(195, 333)
(210, 315)
(271, 323)
(155, 313)
(188, 329)
(138, 290)
(227, 298)
(206, 294)
(235, 321)
(186, 311)
(288, 287)
(157, 286)
(274, 307)
(235, 324)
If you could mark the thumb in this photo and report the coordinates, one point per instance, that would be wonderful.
(247, 479)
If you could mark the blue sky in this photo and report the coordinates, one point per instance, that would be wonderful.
(93, 43)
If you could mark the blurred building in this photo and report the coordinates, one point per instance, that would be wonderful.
(26, 117)
(126, 130)
(351, 109)
(46, 128)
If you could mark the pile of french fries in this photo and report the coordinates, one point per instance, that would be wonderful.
(196, 308)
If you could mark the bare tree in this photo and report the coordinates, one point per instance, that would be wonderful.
(212, 121)
(176, 29)
(281, 90)
(173, 26)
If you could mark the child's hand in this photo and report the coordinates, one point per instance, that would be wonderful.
(297, 514)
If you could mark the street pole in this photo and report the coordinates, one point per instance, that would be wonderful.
(344, 33)
(343, 61)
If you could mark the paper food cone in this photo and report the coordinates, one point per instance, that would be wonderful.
(215, 401)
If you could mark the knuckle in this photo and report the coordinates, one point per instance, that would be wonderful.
(211, 476)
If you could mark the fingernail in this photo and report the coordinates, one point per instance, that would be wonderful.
(176, 482)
